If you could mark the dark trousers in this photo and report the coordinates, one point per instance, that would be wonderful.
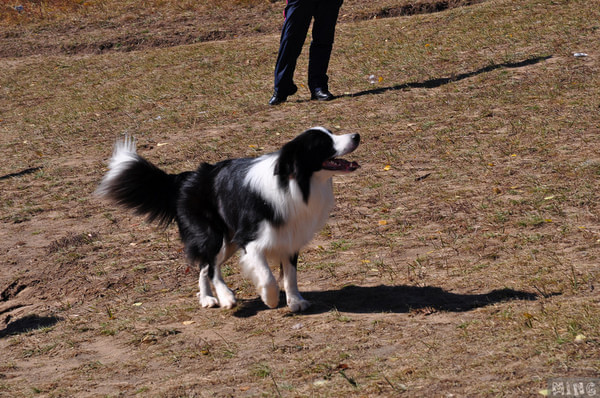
(298, 14)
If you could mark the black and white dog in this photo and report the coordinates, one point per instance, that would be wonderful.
(269, 207)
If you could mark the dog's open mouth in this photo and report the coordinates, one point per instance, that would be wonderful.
(340, 165)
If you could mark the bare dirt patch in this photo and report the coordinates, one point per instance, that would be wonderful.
(97, 27)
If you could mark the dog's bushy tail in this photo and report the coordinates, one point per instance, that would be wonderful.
(135, 183)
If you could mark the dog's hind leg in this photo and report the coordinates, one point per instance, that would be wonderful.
(255, 266)
(290, 284)
(225, 295)
(205, 295)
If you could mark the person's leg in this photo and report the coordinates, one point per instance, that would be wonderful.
(323, 33)
(293, 34)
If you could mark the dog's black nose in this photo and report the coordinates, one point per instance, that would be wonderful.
(355, 138)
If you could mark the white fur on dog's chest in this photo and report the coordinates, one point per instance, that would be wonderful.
(301, 220)
(305, 219)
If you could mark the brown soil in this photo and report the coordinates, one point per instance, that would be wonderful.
(83, 31)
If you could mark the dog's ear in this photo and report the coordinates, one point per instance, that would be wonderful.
(286, 163)
(287, 167)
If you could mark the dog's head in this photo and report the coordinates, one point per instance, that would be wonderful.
(315, 152)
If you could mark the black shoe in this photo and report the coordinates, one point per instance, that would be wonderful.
(321, 94)
(278, 97)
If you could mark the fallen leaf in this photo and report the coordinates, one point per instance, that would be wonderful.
(580, 338)
(382, 222)
(149, 338)
(189, 322)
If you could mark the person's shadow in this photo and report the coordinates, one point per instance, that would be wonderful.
(433, 83)
(391, 299)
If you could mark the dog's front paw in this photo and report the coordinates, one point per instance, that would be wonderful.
(298, 304)
(227, 299)
(207, 301)
(270, 295)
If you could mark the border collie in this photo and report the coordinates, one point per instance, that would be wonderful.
(269, 207)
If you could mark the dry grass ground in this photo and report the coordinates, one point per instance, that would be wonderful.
(461, 260)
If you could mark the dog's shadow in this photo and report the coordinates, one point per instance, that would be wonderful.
(391, 299)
